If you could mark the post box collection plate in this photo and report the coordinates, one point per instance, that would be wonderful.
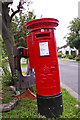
(41, 44)
(44, 49)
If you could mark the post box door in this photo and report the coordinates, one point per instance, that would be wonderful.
(46, 64)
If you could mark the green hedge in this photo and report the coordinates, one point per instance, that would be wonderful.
(77, 58)
(70, 56)
(59, 54)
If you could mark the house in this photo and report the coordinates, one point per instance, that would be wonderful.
(66, 49)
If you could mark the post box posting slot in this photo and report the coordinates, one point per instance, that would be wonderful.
(42, 35)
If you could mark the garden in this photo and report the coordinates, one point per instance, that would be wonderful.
(27, 108)
(14, 33)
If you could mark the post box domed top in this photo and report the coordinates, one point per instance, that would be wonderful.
(42, 23)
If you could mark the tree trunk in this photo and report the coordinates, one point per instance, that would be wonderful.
(7, 35)
(8, 44)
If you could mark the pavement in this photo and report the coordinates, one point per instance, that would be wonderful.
(70, 77)
(72, 92)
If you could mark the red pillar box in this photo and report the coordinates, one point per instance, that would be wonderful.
(42, 50)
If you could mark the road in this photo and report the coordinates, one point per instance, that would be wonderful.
(69, 74)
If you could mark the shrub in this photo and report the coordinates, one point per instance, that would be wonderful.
(65, 56)
(7, 79)
(5, 68)
(76, 55)
(70, 57)
(73, 58)
(77, 58)
(3, 60)
(6, 76)
(59, 54)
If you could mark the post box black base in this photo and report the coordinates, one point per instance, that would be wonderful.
(50, 105)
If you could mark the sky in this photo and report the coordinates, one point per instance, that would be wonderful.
(63, 10)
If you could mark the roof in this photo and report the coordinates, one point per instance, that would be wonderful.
(63, 46)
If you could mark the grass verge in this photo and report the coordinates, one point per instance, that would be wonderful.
(27, 108)
(74, 61)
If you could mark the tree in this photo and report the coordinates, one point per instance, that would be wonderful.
(57, 48)
(73, 38)
(7, 29)
(7, 35)
(19, 28)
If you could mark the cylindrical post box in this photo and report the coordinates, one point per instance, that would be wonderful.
(42, 50)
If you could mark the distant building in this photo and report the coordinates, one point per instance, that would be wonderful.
(66, 49)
